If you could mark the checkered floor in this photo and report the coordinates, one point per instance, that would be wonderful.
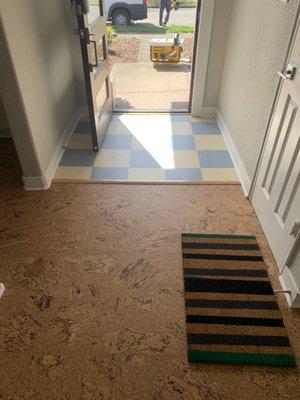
(149, 147)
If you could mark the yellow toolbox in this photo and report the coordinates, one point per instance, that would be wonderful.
(166, 51)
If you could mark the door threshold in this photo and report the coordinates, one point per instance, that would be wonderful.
(141, 111)
(147, 182)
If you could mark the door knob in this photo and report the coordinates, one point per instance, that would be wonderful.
(287, 72)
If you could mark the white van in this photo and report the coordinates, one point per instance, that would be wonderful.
(123, 12)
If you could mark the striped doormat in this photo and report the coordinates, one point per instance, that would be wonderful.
(232, 315)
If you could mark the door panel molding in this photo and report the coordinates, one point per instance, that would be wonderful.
(274, 104)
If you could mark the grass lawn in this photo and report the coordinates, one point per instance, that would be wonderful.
(146, 27)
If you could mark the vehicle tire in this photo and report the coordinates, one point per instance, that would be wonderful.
(120, 17)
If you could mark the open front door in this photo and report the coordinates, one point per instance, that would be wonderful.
(92, 33)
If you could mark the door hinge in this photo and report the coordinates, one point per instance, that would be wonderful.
(85, 35)
(287, 72)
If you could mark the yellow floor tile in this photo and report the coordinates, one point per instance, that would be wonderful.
(181, 128)
(202, 119)
(73, 173)
(112, 158)
(186, 159)
(219, 174)
(146, 174)
(209, 142)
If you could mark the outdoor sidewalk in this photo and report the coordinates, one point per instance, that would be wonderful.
(141, 86)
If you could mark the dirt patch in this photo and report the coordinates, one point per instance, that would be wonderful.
(125, 50)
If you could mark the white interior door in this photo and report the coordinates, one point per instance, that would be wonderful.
(276, 197)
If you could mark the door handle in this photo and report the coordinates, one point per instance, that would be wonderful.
(96, 64)
(287, 72)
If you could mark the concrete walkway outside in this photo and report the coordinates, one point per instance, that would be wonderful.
(141, 86)
(182, 16)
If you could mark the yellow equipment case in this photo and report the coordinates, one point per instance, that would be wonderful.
(166, 51)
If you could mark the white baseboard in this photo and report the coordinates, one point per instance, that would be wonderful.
(35, 183)
(207, 112)
(288, 282)
(237, 161)
(44, 182)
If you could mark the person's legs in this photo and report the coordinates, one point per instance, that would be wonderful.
(167, 15)
(161, 13)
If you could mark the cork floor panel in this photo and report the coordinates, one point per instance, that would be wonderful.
(94, 308)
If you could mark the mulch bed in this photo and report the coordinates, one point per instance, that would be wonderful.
(125, 50)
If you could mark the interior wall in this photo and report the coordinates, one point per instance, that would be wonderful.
(37, 40)
(217, 50)
(257, 42)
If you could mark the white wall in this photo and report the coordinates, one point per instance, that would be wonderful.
(218, 42)
(37, 39)
(257, 42)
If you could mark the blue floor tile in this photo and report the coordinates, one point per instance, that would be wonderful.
(214, 159)
(183, 142)
(180, 117)
(205, 128)
(120, 142)
(142, 159)
(83, 127)
(78, 158)
(182, 174)
(109, 173)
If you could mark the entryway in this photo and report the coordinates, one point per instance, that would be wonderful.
(150, 147)
(141, 83)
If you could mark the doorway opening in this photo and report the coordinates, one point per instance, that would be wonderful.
(151, 54)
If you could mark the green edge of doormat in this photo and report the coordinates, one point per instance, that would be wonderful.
(277, 360)
(215, 235)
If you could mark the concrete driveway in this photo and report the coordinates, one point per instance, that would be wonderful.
(183, 16)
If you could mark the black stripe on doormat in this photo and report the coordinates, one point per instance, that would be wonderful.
(227, 246)
(230, 257)
(233, 304)
(227, 286)
(261, 273)
(255, 340)
(245, 321)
